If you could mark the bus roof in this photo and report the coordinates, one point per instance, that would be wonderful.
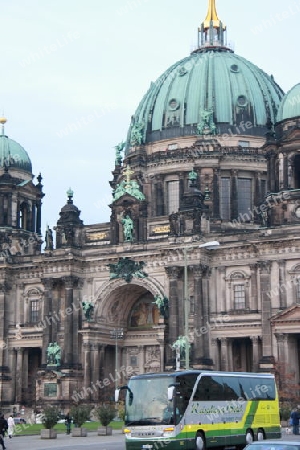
(179, 373)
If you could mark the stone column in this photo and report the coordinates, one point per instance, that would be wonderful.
(25, 376)
(271, 172)
(4, 287)
(216, 194)
(87, 368)
(47, 309)
(215, 353)
(198, 315)
(224, 354)
(101, 360)
(159, 194)
(282, 345)
(265, 286)
(254, 303)
(13, 367)
(234, 195)
(38, 216)
(207, 361)
(70, 282)
(19, 375)
(282, 284)
(77, 312)
(95, 363)
(255, 353)
(162, 354)
(173, 274)
(221, 291)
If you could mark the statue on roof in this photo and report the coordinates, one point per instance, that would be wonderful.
(136, 136)
(49, 238)
(128, 228)
(130, 187)
(88, 309)
(119, 148)
(206, 124)
(53, 354)
(193, 175)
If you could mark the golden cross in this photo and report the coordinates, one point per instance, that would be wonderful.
(127, 173)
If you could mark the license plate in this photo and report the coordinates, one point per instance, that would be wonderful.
(149, 447)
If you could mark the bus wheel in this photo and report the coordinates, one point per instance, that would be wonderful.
(200, 442)
(249, 437)
(260, 435)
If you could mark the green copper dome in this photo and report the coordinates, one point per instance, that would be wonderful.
(212, 82)
(290, 105)
(211, 92)
(13, 154)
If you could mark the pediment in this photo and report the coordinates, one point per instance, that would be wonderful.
(291, 314)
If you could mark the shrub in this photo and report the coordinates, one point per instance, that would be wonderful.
(80, 414)
(49, 417)
(105, 414)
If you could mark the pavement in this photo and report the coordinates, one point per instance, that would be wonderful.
(35, 442)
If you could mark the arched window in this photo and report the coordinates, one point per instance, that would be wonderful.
(238, 283)
(23, 215)
(33, 300)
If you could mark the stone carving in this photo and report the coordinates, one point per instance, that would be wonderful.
(53, 354)
(206, 124)
(126, 268)
(49, 239)
(88, 309)
(136, 136)
(128, 228)
(132, 188)
(162, 303)
(119, 148)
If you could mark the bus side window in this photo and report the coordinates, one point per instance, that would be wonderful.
(231, 388)
(209, 388)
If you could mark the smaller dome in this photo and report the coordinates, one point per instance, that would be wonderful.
(13, 154)
(290, 105)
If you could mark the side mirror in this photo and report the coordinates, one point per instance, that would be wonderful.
(171, 392)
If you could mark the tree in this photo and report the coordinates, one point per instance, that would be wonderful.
(50, 417)
(288, 389)
(105, 414)
(80, 414)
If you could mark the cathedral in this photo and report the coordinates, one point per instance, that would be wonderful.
(199, 264)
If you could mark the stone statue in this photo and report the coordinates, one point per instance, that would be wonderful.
(136, 136)
(119, 148)
(53, 354)
(132, 188)
(206, 124)
(88, 309)
(128, 228)
(49, 239)
(193, 175)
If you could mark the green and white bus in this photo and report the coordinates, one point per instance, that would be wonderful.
(197, 410)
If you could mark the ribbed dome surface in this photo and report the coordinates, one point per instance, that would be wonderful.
(217, 81)
(290, 105)
(13, 154)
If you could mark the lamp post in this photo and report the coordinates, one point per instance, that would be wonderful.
(116, 334)
(211, 245)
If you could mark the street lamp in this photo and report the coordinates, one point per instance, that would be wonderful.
(116, 333)
(211, 245)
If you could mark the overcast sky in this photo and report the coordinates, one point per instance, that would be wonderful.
(73, 73)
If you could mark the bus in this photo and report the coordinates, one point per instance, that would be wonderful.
(198, 410)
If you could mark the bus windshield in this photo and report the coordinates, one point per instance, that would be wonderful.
(148, 402)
